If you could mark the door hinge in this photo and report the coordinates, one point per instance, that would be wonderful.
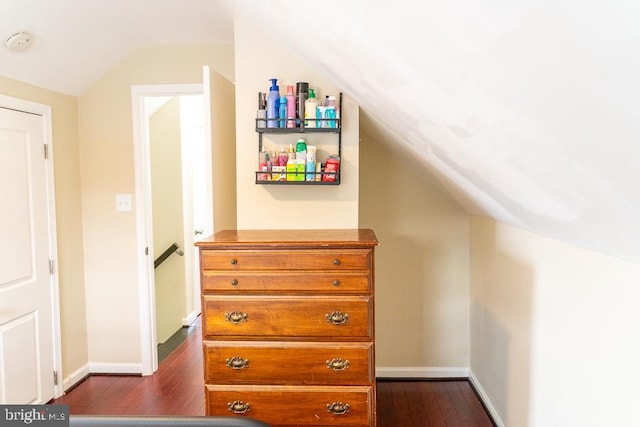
(46, 151)
(51, 270)
(55, 377)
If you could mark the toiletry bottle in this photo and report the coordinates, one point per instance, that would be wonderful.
(310, 167)
(273, 107)
(262, 110)
(331, 169)
(291, 164)
(301, 96)
(301, 148)
(301, 159)
(263, 158)
(272, 161)
(283, 112)
(282, 157)
(291, 107)
(310, 109)
(331, 112)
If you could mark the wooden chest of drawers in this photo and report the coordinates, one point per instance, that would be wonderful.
(288, 326)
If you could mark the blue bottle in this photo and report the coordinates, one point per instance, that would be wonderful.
(283, 112)
(273, 104)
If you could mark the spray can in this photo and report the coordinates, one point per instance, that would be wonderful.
(291, 108)
(301, 97)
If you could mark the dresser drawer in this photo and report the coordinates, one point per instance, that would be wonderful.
(294, 406)
(310, 259)
(338, 282)
(288, 316)
(243, 362)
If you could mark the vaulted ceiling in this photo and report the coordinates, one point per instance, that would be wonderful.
(527, 111)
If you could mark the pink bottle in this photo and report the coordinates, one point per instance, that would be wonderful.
(291, 108)
(283, 157)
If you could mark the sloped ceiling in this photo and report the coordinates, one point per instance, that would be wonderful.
(527, 111)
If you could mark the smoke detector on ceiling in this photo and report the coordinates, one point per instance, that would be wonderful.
(18, 42)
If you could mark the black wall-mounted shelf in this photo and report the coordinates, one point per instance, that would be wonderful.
(303, 130)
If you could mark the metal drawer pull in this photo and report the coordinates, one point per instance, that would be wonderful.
(337, 318)
(338, 408)
(236, 317)
(238, 407)
(234, 261)
(336, 261)
(238, 363)
(338, 364)
(234, 282)
(336, 282)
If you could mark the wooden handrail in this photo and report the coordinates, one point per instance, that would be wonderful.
(166, 254)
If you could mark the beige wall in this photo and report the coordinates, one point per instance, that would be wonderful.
(554, 329)
(422, 267)
(107, 166)
(259, 58)
(68, 216)
(165, 154)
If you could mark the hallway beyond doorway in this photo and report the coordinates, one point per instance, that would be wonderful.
(167, 347)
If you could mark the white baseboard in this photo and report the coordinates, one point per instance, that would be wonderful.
(422, 372)
(191, 317)
(485, 399)
(115, 368)
(75, 377)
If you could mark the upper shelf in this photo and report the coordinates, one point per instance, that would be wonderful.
(336, 129)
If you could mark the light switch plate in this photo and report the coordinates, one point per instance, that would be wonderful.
(123, 202)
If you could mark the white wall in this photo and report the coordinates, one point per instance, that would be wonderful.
(554, 330)
(257, 59)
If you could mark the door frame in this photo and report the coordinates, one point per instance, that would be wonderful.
(144, 224)
(44, 111)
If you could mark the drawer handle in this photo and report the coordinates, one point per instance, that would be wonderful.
(238, 363)
(338, 408)
(338, 364)
(236, 317)
(234, 261)
(238, 407)
(337, 318)
(234, 282)
(336, 282)
(336, 261)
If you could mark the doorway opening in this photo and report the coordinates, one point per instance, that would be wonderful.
(170, 125)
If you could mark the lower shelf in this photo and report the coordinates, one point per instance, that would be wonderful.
(335, 179)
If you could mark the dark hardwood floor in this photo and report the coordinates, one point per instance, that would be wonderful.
(177, 389)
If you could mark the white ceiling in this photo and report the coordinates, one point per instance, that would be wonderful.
(524, 110)
(76, 41)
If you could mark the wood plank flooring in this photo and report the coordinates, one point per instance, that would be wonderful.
(177, 389)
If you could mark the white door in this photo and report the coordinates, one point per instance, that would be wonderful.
(26, 290)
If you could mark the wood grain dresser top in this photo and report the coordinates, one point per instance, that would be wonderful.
(292, 238)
